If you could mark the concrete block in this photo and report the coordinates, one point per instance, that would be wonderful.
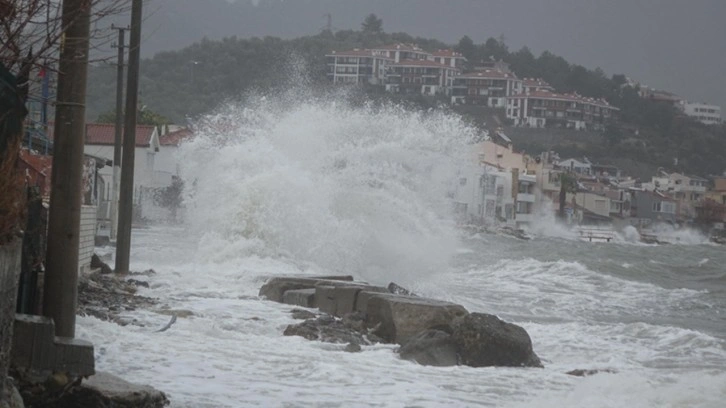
(397, 317)
(37, 349)
(340, 298)
(33, 343)
(274, 288)
(74, 356)
(300, 297)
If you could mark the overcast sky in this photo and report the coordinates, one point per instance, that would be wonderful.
(677, 45)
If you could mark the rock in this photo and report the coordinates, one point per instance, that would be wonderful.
(97, 263)
(104, 390)
(397, 289)
(352, 348)
(430, 347)
(183, 313)
(106, 296)
(12, 398)
(585, 373)
(484, 340)
(56, 382)
(300, 314)
(395, 318)
(138, 283)
(328, 329)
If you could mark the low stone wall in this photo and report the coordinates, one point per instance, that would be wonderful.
(430, 331)
(9, 275)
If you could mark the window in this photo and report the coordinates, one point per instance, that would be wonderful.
(462, 181)
(668, 207)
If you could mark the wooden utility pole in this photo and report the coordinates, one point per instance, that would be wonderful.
(61, 276)
(126, 204)
(117, 132)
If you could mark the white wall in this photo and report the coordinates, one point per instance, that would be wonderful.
(144, 162)
(87, 237)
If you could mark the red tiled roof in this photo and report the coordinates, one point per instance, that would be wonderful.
(103, 134)
(420, 63)
(38, 162)
(545, 94)
(447, 53)
(488, 73)
(175, 138)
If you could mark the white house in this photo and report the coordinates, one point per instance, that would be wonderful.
(704, 113)
(573, 165)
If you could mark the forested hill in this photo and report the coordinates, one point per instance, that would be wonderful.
(196, 79)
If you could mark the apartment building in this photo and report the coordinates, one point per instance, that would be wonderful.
(704, 113)
(422, 76)
(357, 67)
(543, 108)
(488, 87)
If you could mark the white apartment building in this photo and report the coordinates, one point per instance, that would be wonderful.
(704, 113)
(357, 67)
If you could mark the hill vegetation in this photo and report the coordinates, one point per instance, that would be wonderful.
(196, 79)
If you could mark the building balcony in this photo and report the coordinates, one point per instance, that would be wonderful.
(525, 197)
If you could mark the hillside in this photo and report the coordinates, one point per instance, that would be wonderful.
(196, 79)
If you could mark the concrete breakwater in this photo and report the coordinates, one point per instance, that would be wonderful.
(429, 331)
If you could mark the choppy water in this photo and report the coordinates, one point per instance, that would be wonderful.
(309, 186)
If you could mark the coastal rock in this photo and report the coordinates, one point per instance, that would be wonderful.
(586, 373)
(108, 296)
(395, 318)
(104, 390)
(397, 289)
(331, 330)
(300, 314)
(484, 340)
(12, 398)
(431, 347)
(97, 263)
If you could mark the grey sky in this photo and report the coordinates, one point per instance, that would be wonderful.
(677, 45)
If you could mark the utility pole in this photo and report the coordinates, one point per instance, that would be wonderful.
(126, 204)
(61, 276)
(117, 132)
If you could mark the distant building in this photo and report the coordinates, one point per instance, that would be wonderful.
(421, 76)
(704, 113)
(403, 68)
(530, 85)
(449, 57)
(357, 67)
(582, 168)
(400, 52)
(651, 207)
(544, 108)
(488, 87)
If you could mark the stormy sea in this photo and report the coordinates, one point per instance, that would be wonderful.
(316, 185)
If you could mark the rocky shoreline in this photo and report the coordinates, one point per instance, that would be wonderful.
(108, 297)
(428, 331)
